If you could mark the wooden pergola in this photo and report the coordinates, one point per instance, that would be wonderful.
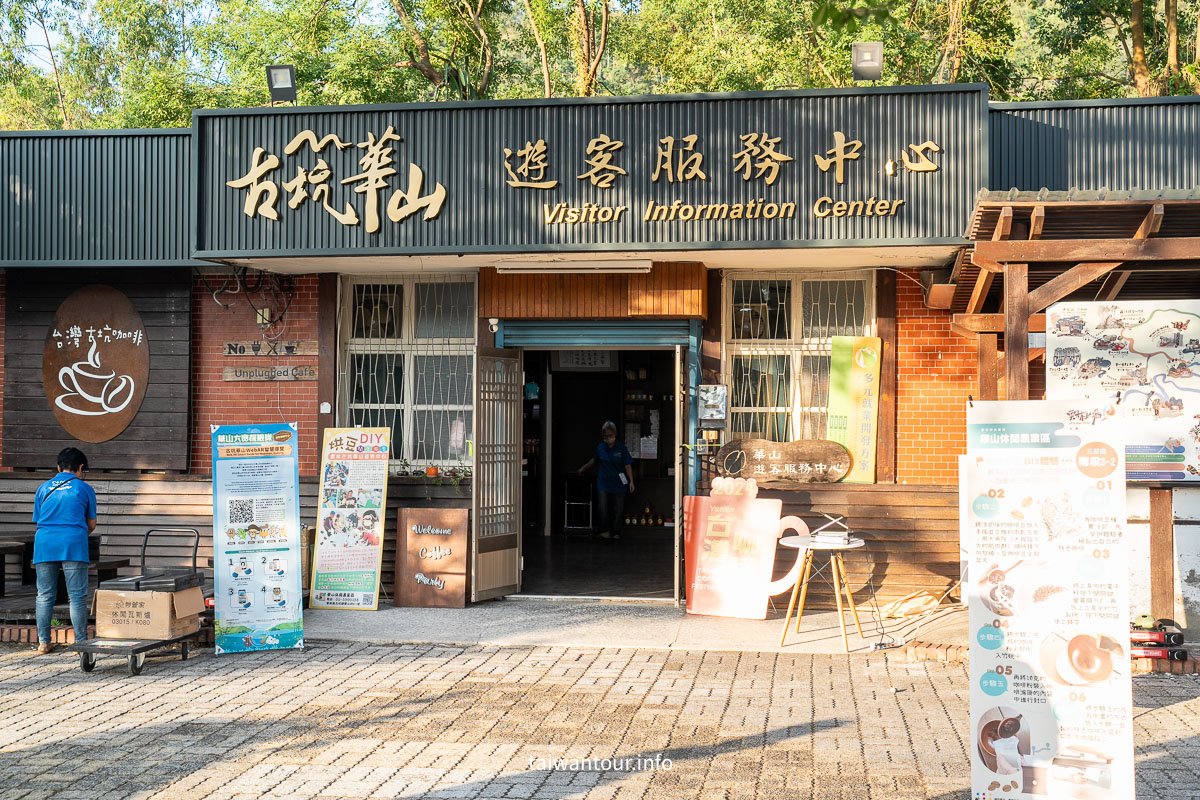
(1074, 245)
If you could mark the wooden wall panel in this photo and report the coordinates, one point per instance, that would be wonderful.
(911, 534)
(672, 290)
(158, 436)
(127, 508)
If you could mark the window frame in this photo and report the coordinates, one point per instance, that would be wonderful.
(408, 348)
(795, 348)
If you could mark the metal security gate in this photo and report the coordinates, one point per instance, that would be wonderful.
(496, 548)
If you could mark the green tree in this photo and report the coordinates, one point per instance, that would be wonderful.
(718, 45)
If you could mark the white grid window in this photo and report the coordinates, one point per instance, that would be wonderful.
(779, 331)
(409, 346)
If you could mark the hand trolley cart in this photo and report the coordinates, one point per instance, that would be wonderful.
(577, 504)
(134, 650)
(159, 579)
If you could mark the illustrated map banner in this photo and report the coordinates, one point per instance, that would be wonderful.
(854, 401)
(354, 471)
(1145, 354)
(1047, 591)
(256, 538)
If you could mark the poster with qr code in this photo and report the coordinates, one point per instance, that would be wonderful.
(256, 538)
(349, 554)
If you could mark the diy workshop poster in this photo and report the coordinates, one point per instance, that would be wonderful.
(349, 554)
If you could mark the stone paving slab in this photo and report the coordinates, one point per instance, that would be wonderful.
(574, 622)
(358, 721)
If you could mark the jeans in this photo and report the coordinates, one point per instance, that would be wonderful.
(76, 573)
(612, 507)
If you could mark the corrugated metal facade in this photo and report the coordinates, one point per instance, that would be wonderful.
(95, 198)
(1118, 144)
(461, 145)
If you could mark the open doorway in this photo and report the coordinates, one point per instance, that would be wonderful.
(569, 395)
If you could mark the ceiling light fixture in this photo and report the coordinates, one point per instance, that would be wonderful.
(573, 267)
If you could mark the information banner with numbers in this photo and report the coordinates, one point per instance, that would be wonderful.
(354, 471)
(256, 538)
(1047, 588)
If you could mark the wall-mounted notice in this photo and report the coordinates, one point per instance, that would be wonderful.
(1047, 590)
(354, 471)
(256, 538)
(1147, 354)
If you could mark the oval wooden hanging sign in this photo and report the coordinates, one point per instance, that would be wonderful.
(96, 363)
(803, 461)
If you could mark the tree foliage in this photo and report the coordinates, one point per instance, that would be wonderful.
(150, 63)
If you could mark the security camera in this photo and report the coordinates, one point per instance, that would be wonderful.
(493, 324)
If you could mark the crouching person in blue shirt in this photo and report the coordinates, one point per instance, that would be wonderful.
(64, 510)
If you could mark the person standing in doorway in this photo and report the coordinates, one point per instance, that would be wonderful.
(614, 480)
(64, 510)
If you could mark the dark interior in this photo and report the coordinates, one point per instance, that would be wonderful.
(632, 389)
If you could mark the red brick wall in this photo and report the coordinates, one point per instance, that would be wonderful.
(935, 373)
(217, 402)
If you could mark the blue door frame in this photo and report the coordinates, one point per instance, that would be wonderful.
(619, 335)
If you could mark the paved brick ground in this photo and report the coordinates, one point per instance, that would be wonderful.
(362, 721)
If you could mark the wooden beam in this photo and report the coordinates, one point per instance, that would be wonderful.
(992, 323)
(1067, 282)
(1162, 554)
(959, 330)
(1078, 250)
(1036, 221)
(1114, 282)
(983, 285)
(1034, 354)
(984, 263)
(985, 355)
(1152, 223)
(1016, 331)
(1003, 225)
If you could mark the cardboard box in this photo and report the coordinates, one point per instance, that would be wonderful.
(147, 615)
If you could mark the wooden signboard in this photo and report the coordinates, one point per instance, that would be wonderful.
(299, 372)
(265, 347)
(96, 363)
(431, 558)
(804, 461)
(36, 426)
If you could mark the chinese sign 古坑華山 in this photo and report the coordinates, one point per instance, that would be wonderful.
(312, 183)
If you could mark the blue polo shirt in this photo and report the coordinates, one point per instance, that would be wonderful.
(61, 515)
(611, 462)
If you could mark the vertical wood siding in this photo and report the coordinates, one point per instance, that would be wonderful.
(670, 290)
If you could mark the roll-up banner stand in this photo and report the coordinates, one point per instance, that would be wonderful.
(256, 538)
(1047, 586)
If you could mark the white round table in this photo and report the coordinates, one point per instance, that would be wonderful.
(840, 581)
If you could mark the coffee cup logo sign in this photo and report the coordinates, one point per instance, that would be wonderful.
(95, 363)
